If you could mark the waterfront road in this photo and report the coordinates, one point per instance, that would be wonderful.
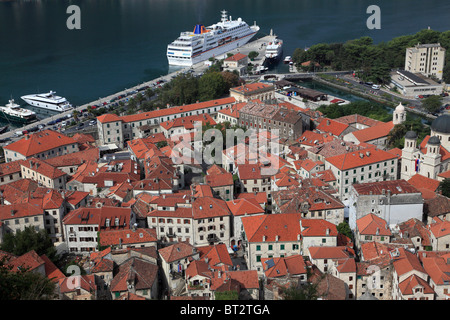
(257, 45)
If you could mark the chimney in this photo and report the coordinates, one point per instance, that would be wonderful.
(264, 238)
(277, 237)
(12, 212)
(328, 231)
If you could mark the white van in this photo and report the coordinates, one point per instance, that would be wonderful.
(376, 87)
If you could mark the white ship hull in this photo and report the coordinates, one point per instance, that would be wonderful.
(274, 50)
(48, 102)
(215, 52)
(207, 42)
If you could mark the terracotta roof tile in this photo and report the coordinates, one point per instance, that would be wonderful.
(39, 142)
(360, 158)
(420, 181)
(370, 224)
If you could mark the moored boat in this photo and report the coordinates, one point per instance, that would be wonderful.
(13, 112)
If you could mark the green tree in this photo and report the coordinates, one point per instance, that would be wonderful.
(75, 114)
(252, 55)
(227, 295)
(432, 103)
(444, 187)
(307, 291)
(29, 239)
(344, 228)
(161, 144)
(212, 86)
(23, 284)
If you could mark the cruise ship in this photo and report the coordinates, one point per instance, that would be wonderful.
(212, 41)
(49, 101)
(275, 48)
(14, 113)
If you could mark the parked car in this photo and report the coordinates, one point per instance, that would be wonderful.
(92, 122)
(376, 87)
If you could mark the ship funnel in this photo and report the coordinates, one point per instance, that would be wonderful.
(199, 29)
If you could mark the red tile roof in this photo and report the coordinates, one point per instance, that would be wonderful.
(127, 236)
(141, 273)
(73, 283)
(370, 224)
(51, 271)
(280, 267)
(188, 122)
(313, 138)
(108, 117)
(408, 285)
(394, 186)
(406, 262)
(438, 268)
(285, 226)
(261, 197)
(373, 133)
(318, 228)
(374, 250)
(98, 216)
(440, 229)
(30, 260)
(208, 207)
(20, 210)
(177, 252)
(43, 167)
(10, 168)
(236, 57)
(177, 110)
(250, 87)
(358, 119)
(360, 158)
(233, 110)
(241, 207)
(445, 154)
(76, 158)
(216, 255)
(332, 126)
(39, 142)
(420, 181)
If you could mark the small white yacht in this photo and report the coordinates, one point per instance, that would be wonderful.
(49, 101)
(14, 113)
(275, 48)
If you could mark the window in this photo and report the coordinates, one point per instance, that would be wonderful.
(270, 247)
(258, 248)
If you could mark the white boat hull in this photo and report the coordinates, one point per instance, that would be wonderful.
(215, 52)
(45, 105)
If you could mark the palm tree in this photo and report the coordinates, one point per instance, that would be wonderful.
(75, 114)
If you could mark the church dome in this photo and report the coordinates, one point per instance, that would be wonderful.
(441, 124)
(411, 135)
(400, 108)
(434, 141)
